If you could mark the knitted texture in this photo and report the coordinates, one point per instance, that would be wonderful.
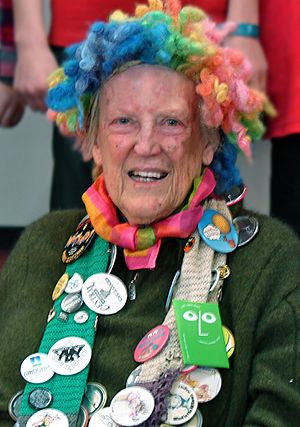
(193, 285)
(68, 390)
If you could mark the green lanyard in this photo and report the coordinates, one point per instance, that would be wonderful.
(68, 390)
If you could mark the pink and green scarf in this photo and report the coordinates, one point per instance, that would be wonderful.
(141, 244)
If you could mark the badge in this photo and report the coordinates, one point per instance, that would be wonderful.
(40, 398)
(247, 228)
(49, 418)
(132, 406)
(134, 376)
(113, 256)
(171, 290)
(217, 232)
(182, 404)
(35, 368)
(200, 334)
(81, 317)
(14, 405)
(236, 195)
(69, 355)
(104, 293)
(60, 286)
(152, 343)
(79, 242)
(74, 284)
(71, 303)
(229, 341)
(94, 398)
(83, 417)
(196, 421)
(188, 368)
(51, 315)
(206, 383)
(102, 418)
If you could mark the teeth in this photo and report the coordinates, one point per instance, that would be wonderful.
(147, 176)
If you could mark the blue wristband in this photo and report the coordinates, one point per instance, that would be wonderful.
(246, 30)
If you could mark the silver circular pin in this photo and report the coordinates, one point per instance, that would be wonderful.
(215, 277)
(247, 228)
(113, 256)
(71, 303)
(36, 369)
(104, 293)
(74, 284)
(83, 417)
(69, 356)
(81, 316)
(171, 290)
(49, 418)
(134, 376)
(14, 405)
(40, 398)
(94, 398)
(236, 195)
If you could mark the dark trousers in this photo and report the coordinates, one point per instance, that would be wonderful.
(285, 183)
(71, 175)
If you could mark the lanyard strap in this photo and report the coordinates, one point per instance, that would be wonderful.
(68, 390)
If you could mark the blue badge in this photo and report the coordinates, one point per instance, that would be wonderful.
(217, 232)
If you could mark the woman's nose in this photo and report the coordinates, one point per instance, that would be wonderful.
(147, 142)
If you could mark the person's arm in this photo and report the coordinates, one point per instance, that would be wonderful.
(35, 60)
(245, 11)
(11, 106)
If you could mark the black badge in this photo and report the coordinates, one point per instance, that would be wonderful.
(247, 228)
(79, 241)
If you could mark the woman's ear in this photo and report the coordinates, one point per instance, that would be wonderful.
(97, 156)
(208, 154)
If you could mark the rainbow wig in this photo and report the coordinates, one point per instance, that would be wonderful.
(184, 40)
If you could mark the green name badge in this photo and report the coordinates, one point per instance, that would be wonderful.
(200, 334)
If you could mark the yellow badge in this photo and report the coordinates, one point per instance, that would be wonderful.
(60, 286)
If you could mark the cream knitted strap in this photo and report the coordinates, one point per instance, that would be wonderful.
(193, 285)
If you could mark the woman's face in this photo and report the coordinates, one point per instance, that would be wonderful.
(149, 141)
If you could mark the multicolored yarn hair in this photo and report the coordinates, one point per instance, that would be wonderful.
(184, 40)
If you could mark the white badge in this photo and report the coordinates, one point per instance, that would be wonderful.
(35, 368)
(132, 406)
(102, 418)
(69, 356)
(49, 418)
(182, 404)
(104, 293)
(74, 284)
(206, 383)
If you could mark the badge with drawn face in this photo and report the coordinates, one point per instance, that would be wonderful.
(79, 241)
(69, 356)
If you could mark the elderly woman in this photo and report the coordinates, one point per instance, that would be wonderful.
(156, 287)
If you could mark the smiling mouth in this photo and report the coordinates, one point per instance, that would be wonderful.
(147, 176)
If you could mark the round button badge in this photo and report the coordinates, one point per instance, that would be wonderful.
(206, 383)
(83, 417)
(36, 368)
(217, 232)
(102, 418)
(69, 356)
(94, 398)
(14, 405)
(134, 376)
(49, 418)
(81, 317)
(60, 286)
(79, 242)
(236, 195)
(71, 303)
(104, 293)
(229, 341)
(182, 404)
(247, 228)
(74, 284)
(40, 398)
(132, 406)
(152, 343)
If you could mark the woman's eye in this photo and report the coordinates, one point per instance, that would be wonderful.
(122, 121)
(173, 122)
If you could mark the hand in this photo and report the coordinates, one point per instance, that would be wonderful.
(11, 106)
(253, 51)
(33, 67)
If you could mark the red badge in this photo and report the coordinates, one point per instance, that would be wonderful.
(152, 343)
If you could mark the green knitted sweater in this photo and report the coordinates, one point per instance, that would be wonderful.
(260, 304)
